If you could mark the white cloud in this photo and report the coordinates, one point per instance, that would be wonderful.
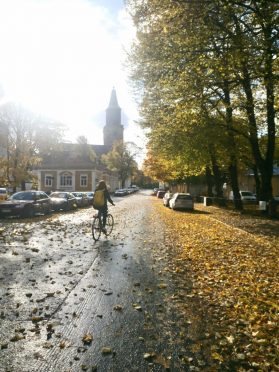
(61, 58)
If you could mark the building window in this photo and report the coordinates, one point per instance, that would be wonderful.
(66, 180)
(48, 181)
(83, 180)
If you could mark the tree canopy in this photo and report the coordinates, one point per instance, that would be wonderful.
(24, 138)
(206, 72)
(121, 159)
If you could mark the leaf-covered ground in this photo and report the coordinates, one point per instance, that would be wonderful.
(232, 262)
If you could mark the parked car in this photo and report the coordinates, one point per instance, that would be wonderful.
(181, 201)
(90, 195)
(135, 188)
(166, 199)
(244, 195)
(82, 199)
(160, 194)
(63, 200)
(155, 191)
(121, 192)
(131, 190)
(26, 204)
(3, 193)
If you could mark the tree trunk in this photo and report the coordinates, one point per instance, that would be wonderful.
(257, 181)
(265, 166)
(270, 115)
(217, 176)
(233, 167)
(209, 182)
(234, 183)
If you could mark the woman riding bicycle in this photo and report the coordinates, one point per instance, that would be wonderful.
(100, 202)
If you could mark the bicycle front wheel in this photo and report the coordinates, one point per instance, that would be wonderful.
(109, 224)
(96, 228)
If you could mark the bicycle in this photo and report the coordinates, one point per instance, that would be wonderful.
(97, 227)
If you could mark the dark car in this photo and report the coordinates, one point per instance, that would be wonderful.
(156, 190)
(82, 199)
(63, 200)
(26, 204)
(160, 194)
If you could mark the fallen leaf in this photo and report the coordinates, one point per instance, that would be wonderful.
(230, 339)
(149, 355)
(17, 337)
(36, 319)
(106, 350)
(217, 356)
(62, 344)
(87, 338)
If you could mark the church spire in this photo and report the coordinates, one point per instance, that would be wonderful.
(113, 99)
(113, 130)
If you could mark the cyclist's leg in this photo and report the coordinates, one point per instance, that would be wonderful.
(105, 213)
(100, 217)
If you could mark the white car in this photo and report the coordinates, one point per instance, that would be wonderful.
(182, 201)
(166, 199)
(244, 195)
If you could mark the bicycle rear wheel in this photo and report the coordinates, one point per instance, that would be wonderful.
(96, 228)
(109, 224)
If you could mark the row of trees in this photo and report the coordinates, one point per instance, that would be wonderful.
(207, 76)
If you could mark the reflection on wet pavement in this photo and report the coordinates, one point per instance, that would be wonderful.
(59, 288)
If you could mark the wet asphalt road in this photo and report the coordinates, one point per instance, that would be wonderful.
(70, 304)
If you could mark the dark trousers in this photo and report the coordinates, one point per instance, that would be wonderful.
(102, 214)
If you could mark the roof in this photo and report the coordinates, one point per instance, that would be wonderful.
(71, 156)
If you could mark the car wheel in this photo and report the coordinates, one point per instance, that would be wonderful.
(28, 212)
(47, 210)
(67, 207)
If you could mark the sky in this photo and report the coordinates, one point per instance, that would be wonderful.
(61, 59)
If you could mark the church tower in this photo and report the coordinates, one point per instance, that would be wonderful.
(113, 130)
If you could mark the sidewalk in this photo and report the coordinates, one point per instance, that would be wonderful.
(232, 261)
(258, 225)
